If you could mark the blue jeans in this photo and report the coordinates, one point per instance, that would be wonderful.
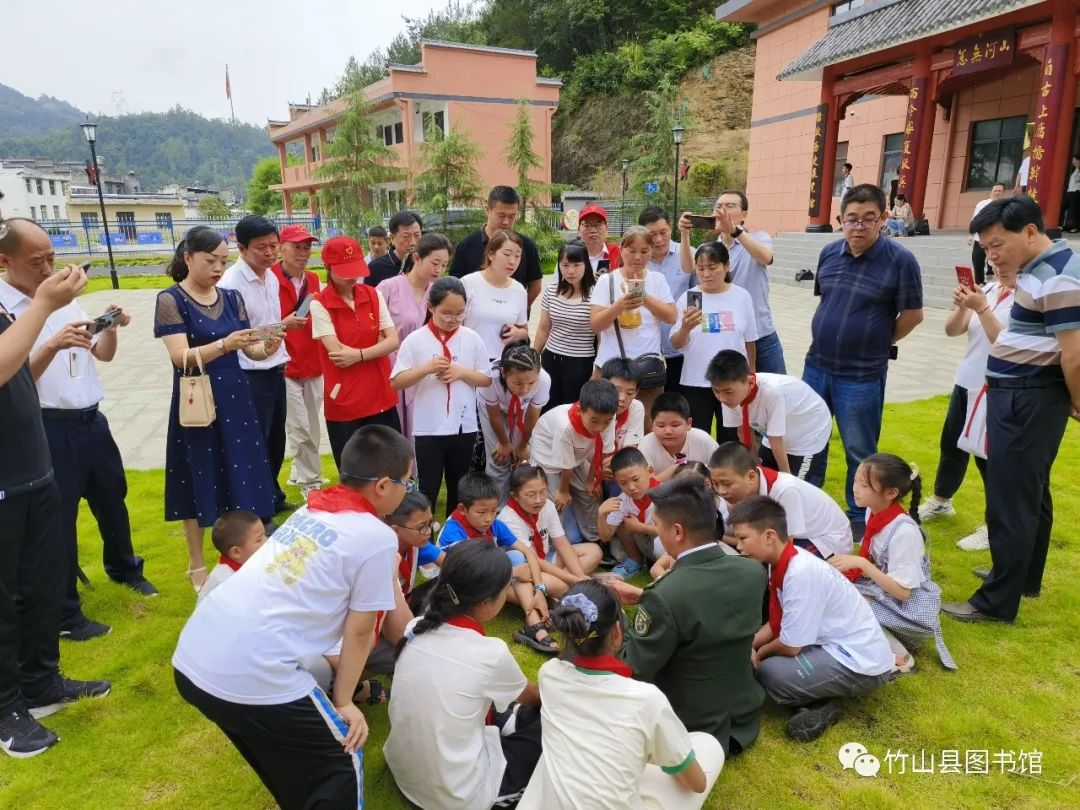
(898, 227)
(857, 406)
(770, 355)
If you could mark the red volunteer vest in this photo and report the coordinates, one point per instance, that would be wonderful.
(362, 389)
(302, 347)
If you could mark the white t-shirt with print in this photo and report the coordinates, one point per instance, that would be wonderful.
(588, 762)
(440, 751)
(497, 394)
(698, 446)
(633, 428)
(822, 607)
(971, 373)
(902, 555)
(489, 308)
(643, 339)
(547, 522)
(556, 446)
(628, 509)
(811, 514)
(730, 323)
(436, 419)
(785, 406)
(287, 603)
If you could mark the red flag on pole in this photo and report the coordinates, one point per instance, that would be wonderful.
(228, 87)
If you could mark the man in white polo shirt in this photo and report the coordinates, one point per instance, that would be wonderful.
(665, 260)
(257, 238)
(86, 461)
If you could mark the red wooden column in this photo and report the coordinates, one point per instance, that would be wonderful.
(918, 133)
(1057, 88)
(823, 161)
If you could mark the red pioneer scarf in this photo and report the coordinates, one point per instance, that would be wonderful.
(406, 568)
(874, 525)
(339, 498)
(459, 515)
(643, 504)
(597, 473)
(515, 417)
(603, 663)
(746, 433)
(620, 423)
(443, 341)
(466, 623)
(776, 582)
(530, 521)
(229, 562)
(768, 475)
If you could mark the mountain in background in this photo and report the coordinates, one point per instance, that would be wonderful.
(178, 146)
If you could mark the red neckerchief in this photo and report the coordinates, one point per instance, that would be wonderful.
(769, 475)
(405, 569)
(229, 562)
(443, 341)
(339, 498)
(620, 423)
(643, 505)
(598, 444)
(746, 433)
(874, 525)
(530, 521)
(603, 663)
(471, 533)
(776, 582)
(466, 623)
(515, 416)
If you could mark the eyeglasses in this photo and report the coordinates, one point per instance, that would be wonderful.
(855, 224)
(409, 484)
(451, 318)
(428, 529)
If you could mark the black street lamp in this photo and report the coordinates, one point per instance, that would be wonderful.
(89, 131)
(676, 134)
(622, 209)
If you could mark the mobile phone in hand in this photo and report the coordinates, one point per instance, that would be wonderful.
(966, 276)
(85, 267)
(693, 299)
(702, 222)
(637, 289)
(106, 321)
(304, 307)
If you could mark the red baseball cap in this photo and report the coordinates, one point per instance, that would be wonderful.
(295, 233)
(593, 210)
(345, 257)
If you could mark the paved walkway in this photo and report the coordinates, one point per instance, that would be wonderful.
(138, 382)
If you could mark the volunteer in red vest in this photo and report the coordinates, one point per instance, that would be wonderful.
(593, 229)
(303, 374)
(352, 322)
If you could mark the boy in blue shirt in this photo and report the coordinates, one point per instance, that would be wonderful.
(475, 518)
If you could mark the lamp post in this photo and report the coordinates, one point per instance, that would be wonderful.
(622, 209)
(676, 134)
(89, 131)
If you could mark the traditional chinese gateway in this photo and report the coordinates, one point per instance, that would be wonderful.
(943, 96)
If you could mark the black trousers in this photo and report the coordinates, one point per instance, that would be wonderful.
(522, 751)
(443, 456)
(1024, 430)
(291, 746)
(704, 407)
(88, 465)
(952, 461)
(1071, 220)
(978, 263)
(674, 373)
(339, 433)
(33, 564)
(811, 469)
(268, 391)
(568, 374)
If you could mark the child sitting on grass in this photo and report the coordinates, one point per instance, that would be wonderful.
(629, 516)
(475, 518)
(698, 472)
(236, 535)
(674, 439)
(414, 526)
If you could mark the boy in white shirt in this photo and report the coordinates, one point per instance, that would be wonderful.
(325, 574)
(236, 535)
(794, 422)
(674, 439)
(822, 642)
(629, 516)
(814, 519)
(630, 417)
(571, 443)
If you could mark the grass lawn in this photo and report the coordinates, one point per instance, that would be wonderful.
(158, 281)
(1018, 687)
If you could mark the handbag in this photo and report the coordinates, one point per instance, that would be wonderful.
(651, 368)
(196, 395)
(972, 438)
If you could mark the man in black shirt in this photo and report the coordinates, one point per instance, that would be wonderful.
(32, 553)
(405, 230)
(502, 212)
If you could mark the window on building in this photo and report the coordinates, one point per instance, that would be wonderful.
(125, 221)
(891, 152)
(40, 187)
(996, 150)
(33, 212)
(163, 220)
(56, 212)
(90, 220)
(399, 132)
(436, 118)
(838, 173)
(29, 188)
(846, 6)
(52, 188)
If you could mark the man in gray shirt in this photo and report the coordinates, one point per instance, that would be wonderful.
(665, 260)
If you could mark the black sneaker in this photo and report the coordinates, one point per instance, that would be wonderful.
(22, 737)
(85, 630)
(608, 561)
(142, 586)
(810, 723)
(62, 692)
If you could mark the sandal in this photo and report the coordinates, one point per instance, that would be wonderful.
(546, 645)
(377, 693)
(191, 572)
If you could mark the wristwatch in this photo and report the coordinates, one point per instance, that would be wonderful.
(221, 345)
(739, 231)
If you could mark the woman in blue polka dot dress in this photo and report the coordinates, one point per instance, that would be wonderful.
(211, 470)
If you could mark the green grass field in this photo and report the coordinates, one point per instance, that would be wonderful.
(1018, 687)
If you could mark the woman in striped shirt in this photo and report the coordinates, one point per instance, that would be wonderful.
(565, 340)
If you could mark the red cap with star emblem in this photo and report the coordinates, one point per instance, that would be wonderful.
(593, 210)
(345, 257)
(295, 233)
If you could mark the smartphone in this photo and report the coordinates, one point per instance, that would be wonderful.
(304, 307)
(637, 289)
(966, 276)
(505, 330)
(705, 223)
(106, 321)
(270, 331)
(86, 267)
(693, 299)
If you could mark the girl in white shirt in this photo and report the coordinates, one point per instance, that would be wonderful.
(498, 307)
(636, 300)
(446, 362)
(724, 320)
(611, 741)
(892, 569)
(449, 677)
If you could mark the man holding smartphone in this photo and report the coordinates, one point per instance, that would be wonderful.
(87, 462)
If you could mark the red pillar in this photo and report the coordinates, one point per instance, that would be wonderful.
(823, 166)
(927, 114)
(282, 159)
(287, 195)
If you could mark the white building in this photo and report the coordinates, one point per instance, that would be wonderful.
(34, 194)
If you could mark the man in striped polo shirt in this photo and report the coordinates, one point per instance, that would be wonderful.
(1033, 387)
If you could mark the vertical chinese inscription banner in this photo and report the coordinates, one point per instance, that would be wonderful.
(1048, 101)
(821, 121)
(912, 134)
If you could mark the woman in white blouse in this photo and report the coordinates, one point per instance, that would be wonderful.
(498, 307)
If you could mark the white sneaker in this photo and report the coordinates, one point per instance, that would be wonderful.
(978, 540)
(931, 509)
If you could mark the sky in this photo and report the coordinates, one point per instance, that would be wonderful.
(151, 56)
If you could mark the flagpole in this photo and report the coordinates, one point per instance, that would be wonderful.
(236, 132)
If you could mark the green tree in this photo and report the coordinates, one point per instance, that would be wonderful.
(212, 208)
(458, 22)
(655, 144)
(260, 199)
(356, 162)
(522, 158)
(448, 177)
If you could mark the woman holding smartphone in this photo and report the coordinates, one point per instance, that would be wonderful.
(351, 321)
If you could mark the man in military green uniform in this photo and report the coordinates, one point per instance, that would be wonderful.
(694, 627)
